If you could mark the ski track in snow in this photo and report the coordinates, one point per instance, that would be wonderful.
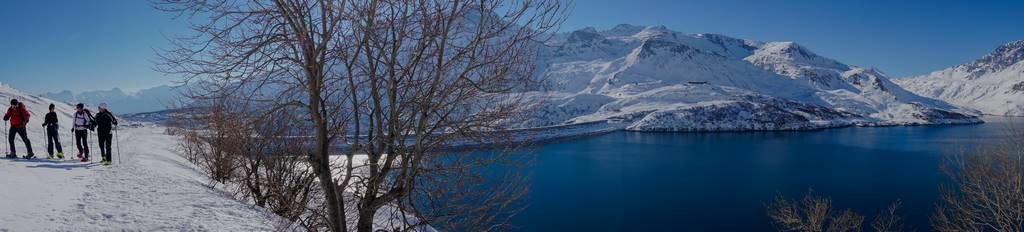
(155, 189)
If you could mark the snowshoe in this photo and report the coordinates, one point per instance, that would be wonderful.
(12, 156)
(29, 156)
(60, 155)
(105, 163)
(85, 160)
(49, 157)
(80, 156)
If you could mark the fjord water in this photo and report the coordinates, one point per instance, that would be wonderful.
(632, 181)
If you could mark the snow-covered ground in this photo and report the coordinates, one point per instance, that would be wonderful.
(152, 188)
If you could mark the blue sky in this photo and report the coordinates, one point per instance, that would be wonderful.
(51, 45)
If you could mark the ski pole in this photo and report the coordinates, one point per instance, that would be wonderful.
(46, 136)
(7, 150)
(117, 143)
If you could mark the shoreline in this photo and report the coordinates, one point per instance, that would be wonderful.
(621, 127)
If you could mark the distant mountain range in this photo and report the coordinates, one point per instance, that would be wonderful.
(656, 79)
(993, 84)
(146, 100)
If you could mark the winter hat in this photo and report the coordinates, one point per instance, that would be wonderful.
(14, 101)
(103, 106)
(80, 105)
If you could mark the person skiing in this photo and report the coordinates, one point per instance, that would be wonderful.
(52, 136)
(18, 117)
(105, 121)
(83, 123)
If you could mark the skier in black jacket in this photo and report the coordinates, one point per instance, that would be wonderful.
(52, 136)
(105, 121)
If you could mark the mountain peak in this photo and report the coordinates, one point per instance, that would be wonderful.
(1002, 57)
(794, 51)
(623, 30)
(1016, 44)
(584, 35)
(1010, 52)
(626, 26)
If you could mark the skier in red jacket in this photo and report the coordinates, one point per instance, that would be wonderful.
(18, 116)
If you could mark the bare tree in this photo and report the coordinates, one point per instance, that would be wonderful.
(388, 83)
(987, 193)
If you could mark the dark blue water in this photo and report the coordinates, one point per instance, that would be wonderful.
(628, 181)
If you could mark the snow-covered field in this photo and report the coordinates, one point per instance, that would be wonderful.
(152, 188)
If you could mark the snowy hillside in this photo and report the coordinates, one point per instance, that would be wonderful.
(993, 84)
(150, 188)
(37, 107)
(662, 80)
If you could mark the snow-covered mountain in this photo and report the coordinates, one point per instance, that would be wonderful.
(661, 80)
(993, 84)
(146, 100)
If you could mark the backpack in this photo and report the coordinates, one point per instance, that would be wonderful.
(91, 123)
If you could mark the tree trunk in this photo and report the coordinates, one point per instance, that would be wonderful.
(365, 223)
(321, 163)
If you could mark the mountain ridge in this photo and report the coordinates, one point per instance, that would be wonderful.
(620, 73)
(145, 100)
(992, 84)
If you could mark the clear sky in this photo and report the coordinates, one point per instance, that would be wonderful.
(52, 45)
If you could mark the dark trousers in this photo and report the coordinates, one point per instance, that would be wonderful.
(53, 140)
(82, 141)
(105, 140)
(24, 138)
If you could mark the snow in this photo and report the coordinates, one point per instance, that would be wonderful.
(151, 188)
(993, 84)
(662, 80)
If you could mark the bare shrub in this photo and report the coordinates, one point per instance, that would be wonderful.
(889, 220)
(255, 156)
(816, 214)
(212, 143)
(987, 189)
